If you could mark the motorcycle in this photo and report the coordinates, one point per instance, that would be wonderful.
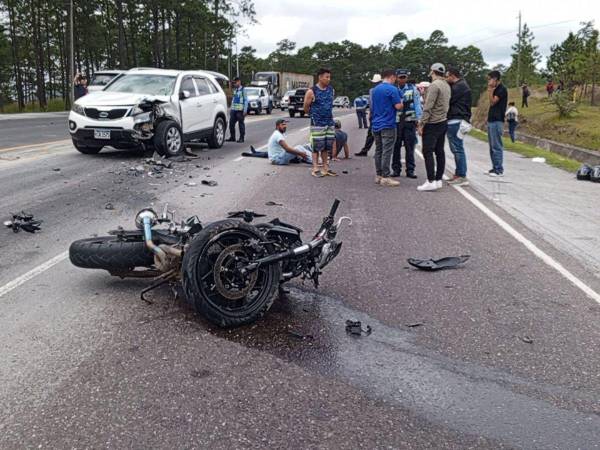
(231, 270)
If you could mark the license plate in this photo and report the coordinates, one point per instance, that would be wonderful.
(101, 134)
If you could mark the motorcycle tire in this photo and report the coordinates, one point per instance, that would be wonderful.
(110, 253)
(201, 287)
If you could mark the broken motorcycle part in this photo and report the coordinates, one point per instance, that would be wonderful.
(209, 182)
(438, 264)
(247, 215)
(23, 221)
(354, 327)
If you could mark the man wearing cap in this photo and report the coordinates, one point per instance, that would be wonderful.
(360, 105)
(407, 125)
(239, 109)
(280, 153)
(370, 138)
(433, 127)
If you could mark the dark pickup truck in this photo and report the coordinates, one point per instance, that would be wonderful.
(297, 103)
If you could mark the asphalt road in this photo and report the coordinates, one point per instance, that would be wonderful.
(502, 353)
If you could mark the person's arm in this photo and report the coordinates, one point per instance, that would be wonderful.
(430, 99)
(308, 99)
(417, 104)
(291, 150)
(493, 98)
(468, 101)
(397, 100)
(334, 150)
(245, 101)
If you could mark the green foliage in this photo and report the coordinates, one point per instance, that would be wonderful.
(564, 104)
(523, 68)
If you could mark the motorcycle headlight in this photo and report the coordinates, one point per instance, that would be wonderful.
(78, 109)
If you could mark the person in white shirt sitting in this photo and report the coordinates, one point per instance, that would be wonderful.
(280, 153)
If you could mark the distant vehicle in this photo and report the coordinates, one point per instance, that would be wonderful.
(155, 108)
(341, 102)
(297, 103)
(285, 100)
(278, 83)
(103, 78)
(258, 100)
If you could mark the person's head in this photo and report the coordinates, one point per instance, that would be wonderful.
(453, 75)
(389, 76)
(338, 124)
(511, 103)
(494, 78)
(281, 125)
(84, 81)
(237, 82)
(437, 71)
(324, 76)
(402, 76)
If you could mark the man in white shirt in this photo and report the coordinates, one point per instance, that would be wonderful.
(512, 117)
(280, 153)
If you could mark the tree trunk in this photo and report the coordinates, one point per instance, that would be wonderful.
(15, 56)
(39, 55)
(164, 39)
(121, 35)
(155, 37)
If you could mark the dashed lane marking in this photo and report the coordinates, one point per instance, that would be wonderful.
(32, 273)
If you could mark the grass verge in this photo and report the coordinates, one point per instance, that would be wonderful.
(530, 151)
(54, 105)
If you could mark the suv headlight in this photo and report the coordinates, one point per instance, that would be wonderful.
(139, 115)
(78, 109)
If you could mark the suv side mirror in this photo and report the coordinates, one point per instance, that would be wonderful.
(184, 94)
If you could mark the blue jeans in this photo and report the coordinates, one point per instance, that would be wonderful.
(286, 158)
(512, 126)
(458, 150)
(495, 131)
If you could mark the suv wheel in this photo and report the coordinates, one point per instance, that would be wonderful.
(217, 138)
(86, 150)
(168, 139)
(292, 113)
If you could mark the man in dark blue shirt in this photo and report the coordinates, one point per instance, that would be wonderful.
(386, 100)
(498, 96)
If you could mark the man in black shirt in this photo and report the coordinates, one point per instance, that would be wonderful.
(498, 96)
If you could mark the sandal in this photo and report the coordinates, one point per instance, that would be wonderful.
(316, 173)
(330, 173)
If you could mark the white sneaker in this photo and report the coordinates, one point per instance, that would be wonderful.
(439, 183)
(427, 186)
(445, 178)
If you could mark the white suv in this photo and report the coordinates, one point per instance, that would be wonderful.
(151, 107)
(258, 100)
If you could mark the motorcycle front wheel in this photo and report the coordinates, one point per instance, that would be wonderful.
(214, 286)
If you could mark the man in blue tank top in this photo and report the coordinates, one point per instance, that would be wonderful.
(318, 103)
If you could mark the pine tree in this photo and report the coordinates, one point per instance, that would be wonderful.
(525, 58)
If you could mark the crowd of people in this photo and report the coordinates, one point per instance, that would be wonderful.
(400, 110)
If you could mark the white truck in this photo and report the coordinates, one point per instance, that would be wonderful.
(278, 83)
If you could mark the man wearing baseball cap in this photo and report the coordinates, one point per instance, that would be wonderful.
(433, 127)
(280, 153)
(370, 138)
(406, 125)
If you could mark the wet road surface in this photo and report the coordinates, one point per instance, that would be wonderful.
(501, 353)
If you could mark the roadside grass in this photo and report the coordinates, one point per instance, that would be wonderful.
(541, 119)
(54, 105)
(529, 151)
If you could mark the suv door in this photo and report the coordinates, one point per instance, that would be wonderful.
(190, 113)
(207, 99)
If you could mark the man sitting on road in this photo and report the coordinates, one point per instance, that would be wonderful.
(341, 141)
(280, 153)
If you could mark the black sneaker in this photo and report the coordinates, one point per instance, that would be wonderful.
(240, 140)
(395, 175)
(411, 175)
(362, 153)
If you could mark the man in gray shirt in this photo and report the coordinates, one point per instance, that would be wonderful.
(433, 127)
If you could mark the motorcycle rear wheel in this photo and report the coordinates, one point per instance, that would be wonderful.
(111, 253)
(214, 289)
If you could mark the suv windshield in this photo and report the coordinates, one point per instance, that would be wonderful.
(102, 79)
(144, 84)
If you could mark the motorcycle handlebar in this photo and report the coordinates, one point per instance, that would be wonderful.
(334, 208)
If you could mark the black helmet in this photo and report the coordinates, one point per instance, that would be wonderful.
(595, 174)
(584, 172)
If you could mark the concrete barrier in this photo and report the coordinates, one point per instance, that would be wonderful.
(570, 151)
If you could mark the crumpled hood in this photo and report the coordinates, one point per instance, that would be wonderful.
(104, 98)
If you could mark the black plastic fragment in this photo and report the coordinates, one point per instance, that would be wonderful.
(438, 264)
(23, 221)
(209, 182)
(354, 328)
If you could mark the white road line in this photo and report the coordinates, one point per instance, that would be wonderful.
(239, 158)
(546, 258)
(32, 273)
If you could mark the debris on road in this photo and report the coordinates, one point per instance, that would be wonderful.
(438, 264)
(158, 161)
(527, 339)
(23, 221)
(538, 159)
(595, 174)
(300, 336)
(109, 206)
(584, 172)
(209, 182)
(271, 203)
(415, 324)
(56, 169)
(190, 184)
(354, 327)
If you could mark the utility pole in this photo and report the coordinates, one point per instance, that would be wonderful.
(71, 53)
(519, 54)
(237, 58)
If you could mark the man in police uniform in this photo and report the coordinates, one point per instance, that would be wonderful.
(406, 121)
(239, 109)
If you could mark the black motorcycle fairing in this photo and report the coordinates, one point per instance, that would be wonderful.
(278, 222)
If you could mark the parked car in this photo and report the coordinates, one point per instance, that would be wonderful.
(297, 103)
(155, 108)
(285, 100)
(103, 78)
(341, 102)
(259, 100)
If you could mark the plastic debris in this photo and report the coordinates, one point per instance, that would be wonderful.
(271, 203)
(538, 159)
(209, 182)
(23, 221)
(438, 264)
(415, 324)
(109, 206)
(527, 339)
(191, 184)
(354, 327)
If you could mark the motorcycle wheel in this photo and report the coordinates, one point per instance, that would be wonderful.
(214, 289)
(111, 253)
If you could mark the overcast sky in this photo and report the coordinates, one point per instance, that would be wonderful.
(491, 26)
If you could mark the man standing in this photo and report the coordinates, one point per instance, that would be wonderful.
(406, 125)
(370, 138)
(512, 117)
(386, 101)
(239, 109)
(360, 104)
(498, 96)
(318, 103)
(525, 93)
(279, 152)
(433, 127)
(460, 110)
